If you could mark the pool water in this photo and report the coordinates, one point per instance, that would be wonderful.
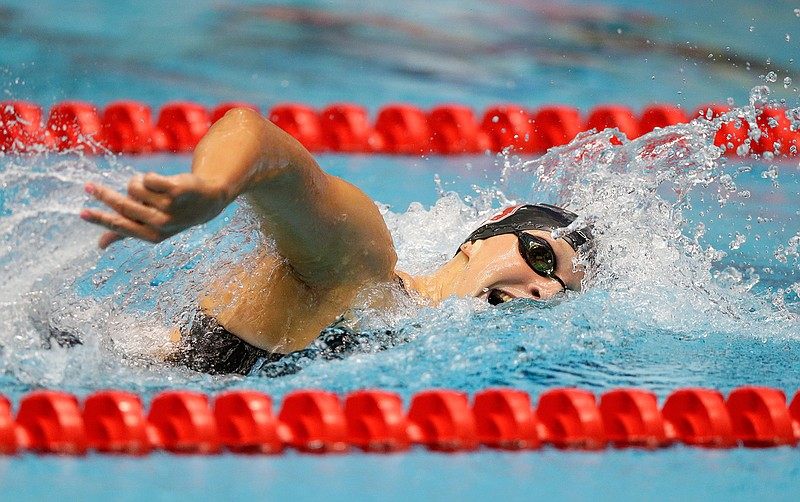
(697, 277)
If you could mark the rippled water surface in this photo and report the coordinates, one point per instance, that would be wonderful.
(694, 277)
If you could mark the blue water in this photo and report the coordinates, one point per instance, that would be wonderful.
(698, 283)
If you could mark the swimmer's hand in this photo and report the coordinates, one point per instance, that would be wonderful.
(155, 208)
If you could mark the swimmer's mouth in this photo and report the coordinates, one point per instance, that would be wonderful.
(496, 297)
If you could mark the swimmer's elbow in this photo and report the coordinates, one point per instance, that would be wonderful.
(242, 115)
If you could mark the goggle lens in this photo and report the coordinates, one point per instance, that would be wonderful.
(539, 255)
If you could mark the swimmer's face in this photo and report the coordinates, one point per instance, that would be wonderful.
(497, 272)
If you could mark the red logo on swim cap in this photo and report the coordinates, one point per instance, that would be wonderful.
(505, 213)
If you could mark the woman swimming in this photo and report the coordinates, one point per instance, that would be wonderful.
(330, 244)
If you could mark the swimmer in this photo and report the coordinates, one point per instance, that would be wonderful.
(331, 243)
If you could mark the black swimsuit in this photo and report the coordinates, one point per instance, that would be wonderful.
(207, 347)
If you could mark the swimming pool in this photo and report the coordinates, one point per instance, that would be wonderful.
(677, 314)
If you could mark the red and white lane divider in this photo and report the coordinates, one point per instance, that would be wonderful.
(128, 127)
(375, 421)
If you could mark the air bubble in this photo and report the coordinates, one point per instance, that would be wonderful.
(771, 77)
(787, 82)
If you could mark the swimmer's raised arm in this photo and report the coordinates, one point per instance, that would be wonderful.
(328, 229)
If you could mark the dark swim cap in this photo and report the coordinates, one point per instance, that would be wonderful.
(531, 217)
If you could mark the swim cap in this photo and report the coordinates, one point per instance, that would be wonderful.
(531, 217)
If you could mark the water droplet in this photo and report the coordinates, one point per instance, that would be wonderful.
(759, 94)
(737, 242)
(797, 12)
(788, 37)
(771, 77)
(787, 82)
(752, 29)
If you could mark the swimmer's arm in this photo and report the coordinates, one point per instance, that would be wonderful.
(328, 229)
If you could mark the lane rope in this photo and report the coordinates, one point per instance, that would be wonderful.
(400, 129)
(374, 420)
(317, 421)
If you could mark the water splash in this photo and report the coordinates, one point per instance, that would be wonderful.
(662, 273)
(647, 203)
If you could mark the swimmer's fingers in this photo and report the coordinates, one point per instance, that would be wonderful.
(183, 196)
(156, 206)
(158, 183)
(129, 207)
(120, 227)
(109, 238)
(156, 194)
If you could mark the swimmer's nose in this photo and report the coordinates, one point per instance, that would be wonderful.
(535, 291)
(543, 289)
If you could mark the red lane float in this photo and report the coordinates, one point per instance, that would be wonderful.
(51, 422)
(115, 423)
(75, 125)
(505, 419)
(660, 116)
(698, 417)
(182, 422)
(631, 418)
(315, 421)
(557, 125)
(760, 417)
(621, 117)
(510, 126)
(442, 420)
(127, 127)
(346, 128)
(570, 418)
(246, 424)
(302, 122)
(180, 127)
(8, 429)
(399, 129)
(21, 127)
(376, 421)
(402, 129)
(454, 130)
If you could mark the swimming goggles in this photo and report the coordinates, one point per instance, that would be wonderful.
(539, 255)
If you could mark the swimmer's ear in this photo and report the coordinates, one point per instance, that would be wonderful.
(469, 247)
